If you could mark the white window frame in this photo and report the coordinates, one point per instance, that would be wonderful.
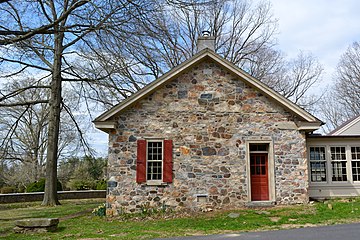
(346, 160)
(329, 169)
(154, 181)
(320, 160)
(356, 159)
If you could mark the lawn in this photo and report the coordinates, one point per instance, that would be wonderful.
(77, 222)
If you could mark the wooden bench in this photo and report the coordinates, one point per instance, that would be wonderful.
(36, 225)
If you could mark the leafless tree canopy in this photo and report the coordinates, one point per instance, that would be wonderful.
(343, 100)
(348, 80)
(244, 32)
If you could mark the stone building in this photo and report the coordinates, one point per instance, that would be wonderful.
(206, 135)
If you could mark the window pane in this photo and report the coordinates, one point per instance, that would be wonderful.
(154, 160)
(338, 153)
(338, 164)
(258, 147)
(257, 160)
(318, 171)
(317, 153)
(339, 171)
(317, 164)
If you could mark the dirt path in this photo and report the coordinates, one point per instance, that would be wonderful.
(74, 215)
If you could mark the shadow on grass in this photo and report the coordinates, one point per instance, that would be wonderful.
(59, 229)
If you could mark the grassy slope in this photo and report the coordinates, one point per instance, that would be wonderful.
(143, 227)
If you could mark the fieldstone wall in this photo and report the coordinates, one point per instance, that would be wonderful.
(209, 114)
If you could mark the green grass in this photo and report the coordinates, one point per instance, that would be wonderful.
(164, 225)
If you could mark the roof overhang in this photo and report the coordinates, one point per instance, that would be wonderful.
(308, 126)
(105, 126)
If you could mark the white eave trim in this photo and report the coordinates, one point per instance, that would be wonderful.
(105, 126)
(308, 126)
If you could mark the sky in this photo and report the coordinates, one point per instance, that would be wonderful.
(325, 28)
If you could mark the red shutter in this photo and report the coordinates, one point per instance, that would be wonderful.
(141, 161)
(168, 164)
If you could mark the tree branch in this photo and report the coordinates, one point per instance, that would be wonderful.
(28, 103)
(43, 29)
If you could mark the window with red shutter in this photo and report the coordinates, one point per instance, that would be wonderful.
(154, 161)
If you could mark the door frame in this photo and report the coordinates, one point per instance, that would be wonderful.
(271, 167)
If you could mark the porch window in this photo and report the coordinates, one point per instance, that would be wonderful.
(355, 163)
(317, 164)
(338, 164)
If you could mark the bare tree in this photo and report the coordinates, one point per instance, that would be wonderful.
(244, 34)
(347, 80)
(343, 100)
(168, 37)
(331, 111)
(24, 131)
(295, 77)
(43, 46)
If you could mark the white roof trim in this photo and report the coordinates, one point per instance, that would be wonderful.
(224, 63)
(105, 126)
(309, 126)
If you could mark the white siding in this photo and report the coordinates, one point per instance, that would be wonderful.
(352, 130)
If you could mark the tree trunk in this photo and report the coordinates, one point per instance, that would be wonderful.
(50, 194)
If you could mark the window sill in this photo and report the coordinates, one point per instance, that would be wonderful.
(155, 183)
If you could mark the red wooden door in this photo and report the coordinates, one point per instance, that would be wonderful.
(259, 177)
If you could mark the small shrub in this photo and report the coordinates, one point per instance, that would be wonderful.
(76, 184)
(100, 211)
(39, 186)
(101, 185)
(8, 189)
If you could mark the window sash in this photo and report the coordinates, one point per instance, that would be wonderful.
(318, 171)
(355, 163)
(154, 161)
(338, 164)
(318, 164)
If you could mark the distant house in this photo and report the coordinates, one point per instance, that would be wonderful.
(207, 134)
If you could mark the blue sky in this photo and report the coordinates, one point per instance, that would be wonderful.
(324, 28)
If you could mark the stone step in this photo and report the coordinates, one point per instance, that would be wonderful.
(259, 204)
